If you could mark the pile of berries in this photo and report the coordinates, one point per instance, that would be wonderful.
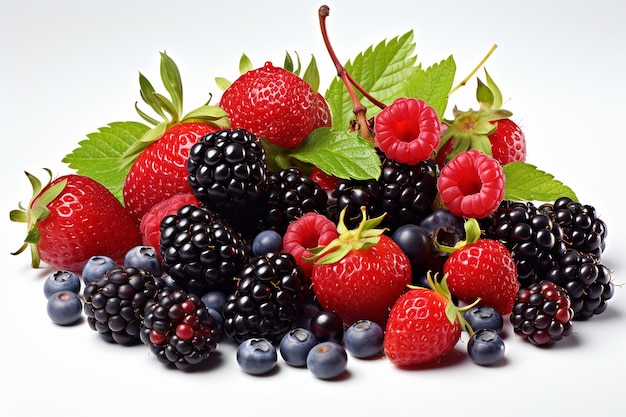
(224, 231)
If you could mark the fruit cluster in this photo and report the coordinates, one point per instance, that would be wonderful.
(268, 221)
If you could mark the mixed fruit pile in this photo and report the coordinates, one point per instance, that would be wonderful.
(317, 226)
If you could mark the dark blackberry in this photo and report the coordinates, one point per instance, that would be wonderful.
(270, 295)
(201, 251)
(179, 329)
(542, 313)
(290, 195)
(535, 241)
(587, 281)
(114, 302)
(582, 229)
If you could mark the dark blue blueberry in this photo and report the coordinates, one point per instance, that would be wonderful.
(484, 317)
(64, 307)
(327, 326)
(144, 257)
(214, 300)
(267, 241)
(61, 281)
(327, 360)
(415, 243)
(295, 346)
(256, 356)
(485, 347)
(95, 267)
(364, 339)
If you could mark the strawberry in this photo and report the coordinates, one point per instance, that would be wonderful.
(424, 325)
(275, 104)
(73, 218)
(482, 268)
(361, 273)
(508, 143)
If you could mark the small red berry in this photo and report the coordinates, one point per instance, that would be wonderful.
(508, 143)
(472, 184)
(407, 131)
(184, 331)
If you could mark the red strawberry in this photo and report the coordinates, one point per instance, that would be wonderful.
(361, 273)
(482, 268)
(508, 143)
(274, 103)
(423, 326)
(73, 218)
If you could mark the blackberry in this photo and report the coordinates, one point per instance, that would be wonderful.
(587, 281)
(270, 295)
(114, 302)
(542, 313)
(179, 329)
(290, 195)
(200, 250)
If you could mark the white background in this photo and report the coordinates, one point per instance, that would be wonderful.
(70, 67)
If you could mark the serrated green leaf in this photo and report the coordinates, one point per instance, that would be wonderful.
(432, 85)
(525, 182)
(380, 70)
(343, 154)
(99, 155)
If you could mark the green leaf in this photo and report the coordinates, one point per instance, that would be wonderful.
(172, 82)
(312, 75)
(495, 90)
(245, 64)
(432, 85)
(214, 115)
(146, 91)
(340, 153)
(99, 155)
(484, 95)
(222, 83)
(380, 70)
(525, 182)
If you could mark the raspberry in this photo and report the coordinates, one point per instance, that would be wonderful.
(472, 184)
(309, 231)
(407, 131)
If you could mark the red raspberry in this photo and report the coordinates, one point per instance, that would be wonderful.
(307, 232)
(407, 131)
(472, 184)
(324, 180)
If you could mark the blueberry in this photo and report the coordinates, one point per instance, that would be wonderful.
(267, 241)
(364, 339)
(327, 360)
(414, 242)
(214, 300)
(327, 326)
(64, 307)
(95, 267)
(485, 347)
(61, 281)
(484, 317)
(256, 356)
(295, 345)
(144, 257)
(442, 225)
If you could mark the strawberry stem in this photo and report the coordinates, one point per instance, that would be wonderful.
(474, 71)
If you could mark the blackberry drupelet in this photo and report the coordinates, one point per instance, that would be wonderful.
(290, 195)
(201, 251)
(179, 329)
(542, 313)
(114, 302)
(270, 295)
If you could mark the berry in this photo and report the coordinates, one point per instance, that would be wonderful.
(271, 290)
(267, 241)
(327, 326)
(416, 244)
(407, 131)
(95, 267)
(200, 251)
(472, 184)
(361, 273)
(115, 302)
(508, 143)
(364, 339)
(445, 228)
(179, 329)
(144, 257)
(276, 104)
(327, 360)
(61, 281)
(485, 347)
(542, 313)
(64, 307)
(256, 356)
(484, 317)
(295, 345)
(73, 218)
(326, 181)
(214, 300)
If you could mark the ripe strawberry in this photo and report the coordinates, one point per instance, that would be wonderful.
(482, 268)
(508, 143)
(360, 274)
(73, 218)
(274, 103)
(423, 326)
(407, 131)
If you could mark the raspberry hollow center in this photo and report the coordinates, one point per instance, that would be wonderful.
(470, 183)
(406, 130)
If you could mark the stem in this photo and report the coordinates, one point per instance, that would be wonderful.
(474, 71)
(358, 110)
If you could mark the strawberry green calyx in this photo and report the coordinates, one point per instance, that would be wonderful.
(365, 235)
(36, 211)
(472, 234)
